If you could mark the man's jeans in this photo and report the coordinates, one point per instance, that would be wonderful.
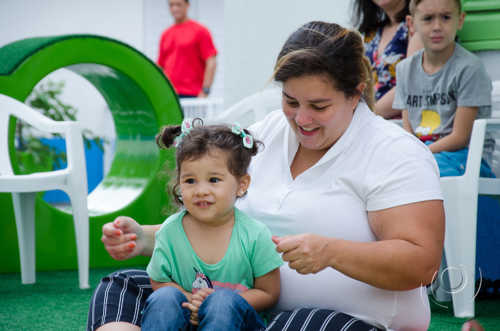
(222, 310)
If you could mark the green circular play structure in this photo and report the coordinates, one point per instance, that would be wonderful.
(141, 100)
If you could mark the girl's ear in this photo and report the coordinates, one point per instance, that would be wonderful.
(244, 183)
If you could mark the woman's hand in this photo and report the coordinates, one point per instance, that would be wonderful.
(195, 302)
(472, 325)
(123, 238)
(305, 253)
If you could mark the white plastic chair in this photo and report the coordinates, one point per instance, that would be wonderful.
(460, 203)
(252, 108)
(72, 180)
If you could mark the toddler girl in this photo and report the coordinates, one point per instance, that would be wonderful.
(212, 265)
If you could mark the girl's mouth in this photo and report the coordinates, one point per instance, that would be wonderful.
(203, 204)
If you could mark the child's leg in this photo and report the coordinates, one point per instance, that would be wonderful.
(453, 164)
(227, 310)
(163, 310)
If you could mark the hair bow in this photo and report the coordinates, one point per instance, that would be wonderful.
(247, 138)
(185, 129)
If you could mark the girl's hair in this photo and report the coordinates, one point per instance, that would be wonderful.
(319, 48)
(202, 140)
(415, 3)
(368, 17)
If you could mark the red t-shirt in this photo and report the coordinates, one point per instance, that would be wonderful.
(184, 49)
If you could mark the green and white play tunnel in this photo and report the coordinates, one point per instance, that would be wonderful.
(141, 100)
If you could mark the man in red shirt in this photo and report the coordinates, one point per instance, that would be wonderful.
(187, 53)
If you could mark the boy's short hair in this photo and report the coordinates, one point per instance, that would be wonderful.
(415, 3)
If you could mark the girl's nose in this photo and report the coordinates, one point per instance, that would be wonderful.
(202, 189)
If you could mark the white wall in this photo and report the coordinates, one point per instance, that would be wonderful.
(255, 31)
(118, 19)
(113, 18)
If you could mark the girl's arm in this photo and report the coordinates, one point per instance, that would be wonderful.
(266, 291)
(156, 285)
(406, 121)
(460, 134)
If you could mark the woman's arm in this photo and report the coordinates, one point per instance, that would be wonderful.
(266, 291)
(383, 106)
(406, 255)
(124, 238)
(460, 134)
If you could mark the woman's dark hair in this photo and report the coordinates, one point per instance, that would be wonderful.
(319, 48)
(202, 140)
(368, 17)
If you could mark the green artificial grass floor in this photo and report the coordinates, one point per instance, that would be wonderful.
(56, 303)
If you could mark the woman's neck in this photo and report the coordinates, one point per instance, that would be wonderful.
(305, 159)
(393, 11)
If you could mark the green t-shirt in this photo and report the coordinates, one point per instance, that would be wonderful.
(250, 254)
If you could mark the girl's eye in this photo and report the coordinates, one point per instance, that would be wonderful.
(189, 181)
(293, 104)
(446, 17)
(214, 180)
(427, 18)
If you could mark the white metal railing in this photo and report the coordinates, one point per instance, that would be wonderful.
(204, 108)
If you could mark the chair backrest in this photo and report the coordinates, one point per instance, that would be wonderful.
(10, 107)
(252, 108)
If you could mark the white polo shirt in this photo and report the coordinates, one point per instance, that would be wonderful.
(374, 165)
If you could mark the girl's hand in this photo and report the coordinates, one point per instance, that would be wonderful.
(195, 302)
(305, 253)
(123, 238)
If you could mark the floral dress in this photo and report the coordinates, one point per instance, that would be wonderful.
(384, 65)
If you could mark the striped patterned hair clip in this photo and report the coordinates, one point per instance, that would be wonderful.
(185, 129)
(247, 138)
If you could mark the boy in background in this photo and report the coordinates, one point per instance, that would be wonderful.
(443, 88)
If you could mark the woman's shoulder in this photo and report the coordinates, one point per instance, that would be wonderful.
(386, 137)
(269, 126)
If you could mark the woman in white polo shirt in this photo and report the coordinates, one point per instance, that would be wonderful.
(354, 202)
